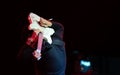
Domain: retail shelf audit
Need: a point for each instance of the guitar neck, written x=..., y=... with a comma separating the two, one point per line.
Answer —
x=40, y=40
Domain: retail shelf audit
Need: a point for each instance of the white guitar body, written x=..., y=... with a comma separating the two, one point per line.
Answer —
x=47, y=32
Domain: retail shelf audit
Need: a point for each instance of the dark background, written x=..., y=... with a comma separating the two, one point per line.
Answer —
x=91, y=30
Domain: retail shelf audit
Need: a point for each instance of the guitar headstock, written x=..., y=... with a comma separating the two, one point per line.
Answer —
x=33, y=17
x=33, y=20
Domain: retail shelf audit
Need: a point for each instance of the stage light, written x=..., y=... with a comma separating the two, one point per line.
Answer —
x=85, y=65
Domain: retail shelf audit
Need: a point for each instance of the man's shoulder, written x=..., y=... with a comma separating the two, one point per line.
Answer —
x=58, y=24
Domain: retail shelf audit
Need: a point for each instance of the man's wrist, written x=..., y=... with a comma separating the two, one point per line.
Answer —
x=45, y=23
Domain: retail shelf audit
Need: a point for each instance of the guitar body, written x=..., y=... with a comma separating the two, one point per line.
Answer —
x=47, y=32
x=43, y=33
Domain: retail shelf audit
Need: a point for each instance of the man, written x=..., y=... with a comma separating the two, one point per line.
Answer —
x=52, y=54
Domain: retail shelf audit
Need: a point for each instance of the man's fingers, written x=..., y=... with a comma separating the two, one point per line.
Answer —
x=36, y=54
x=45, y=23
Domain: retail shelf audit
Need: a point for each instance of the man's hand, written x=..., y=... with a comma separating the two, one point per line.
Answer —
x=37, y=54
x=45, y=23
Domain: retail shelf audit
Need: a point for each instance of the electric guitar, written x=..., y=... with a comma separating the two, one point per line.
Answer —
x=47, y=32
x=44, y=34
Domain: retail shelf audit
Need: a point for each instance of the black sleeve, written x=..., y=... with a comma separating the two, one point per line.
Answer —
x=59, y=29
x=57, y=37
x=57, y=26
